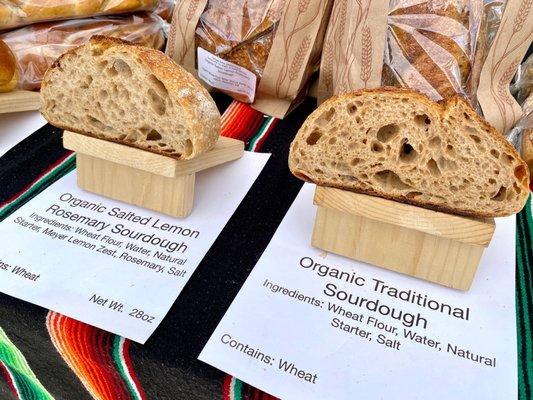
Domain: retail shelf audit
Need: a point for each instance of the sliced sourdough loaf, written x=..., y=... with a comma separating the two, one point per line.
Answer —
x=400, y=145
x=113, y=90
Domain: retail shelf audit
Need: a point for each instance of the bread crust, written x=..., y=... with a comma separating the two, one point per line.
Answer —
x=441, y=108
x=25, y=12
x=204, y=123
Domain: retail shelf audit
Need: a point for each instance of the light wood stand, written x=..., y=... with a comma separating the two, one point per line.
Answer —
x=139, y=177
x=19, y=100
x=430, y=245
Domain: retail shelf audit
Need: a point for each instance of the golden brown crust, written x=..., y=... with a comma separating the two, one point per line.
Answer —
x=8, y=68
x=24, y=12
x=204, y=118
x=442, y=108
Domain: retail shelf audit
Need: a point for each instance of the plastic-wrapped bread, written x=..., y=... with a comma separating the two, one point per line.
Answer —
x=36, y=47
x=15, y=13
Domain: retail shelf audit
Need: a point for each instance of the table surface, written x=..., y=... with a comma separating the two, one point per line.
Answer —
x=44, y=354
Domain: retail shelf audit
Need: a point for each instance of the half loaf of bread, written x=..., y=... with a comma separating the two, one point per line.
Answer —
x=398, y=144
x=117, y=91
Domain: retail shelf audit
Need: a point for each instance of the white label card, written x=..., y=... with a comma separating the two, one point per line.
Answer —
x=312, y=325
x=110, y=264
x=226, y=76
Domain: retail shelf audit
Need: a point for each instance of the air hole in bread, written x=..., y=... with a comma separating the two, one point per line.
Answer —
x=352, y=108
x=332, y=140
x=492, y=181
x=97, y=123
x=121, y=67
x=86, y=82
x=97, y=51
x=376, y=147
x=412, y=195
x=433, y=167
x=407, y=152
x=111, y=71
x=422, y=120
x=102, y=65
x=467, y=117
x=495, y=153
x=156, y=102
x=325, y=117
x=103, y=94
x=355, y=161
x=158, y=86
x=500, y=194
x=188, y=147
x=434, y=142
x=475, y=138
x=449, y=148
x=446, y=164
x=358, y=119
x=153, y=135
x=390, y=180
x=387, y=132
x=517, y=188
x=520, y=172
x=314, y=137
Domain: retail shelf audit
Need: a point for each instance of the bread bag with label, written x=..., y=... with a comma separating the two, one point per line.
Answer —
x=36, y=47
x=14, y=13
x=258, y=51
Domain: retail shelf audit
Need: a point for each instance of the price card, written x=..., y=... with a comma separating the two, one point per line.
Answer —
x=110, y=264
x=312, y=325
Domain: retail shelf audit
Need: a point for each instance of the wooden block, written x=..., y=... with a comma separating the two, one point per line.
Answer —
x=172, y=196
x=226, y=149
x=19, y=100
x=145, y=179
x=430, y=245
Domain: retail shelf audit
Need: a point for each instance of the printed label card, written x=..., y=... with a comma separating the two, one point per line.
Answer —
x=313, y=325
x=110, y=264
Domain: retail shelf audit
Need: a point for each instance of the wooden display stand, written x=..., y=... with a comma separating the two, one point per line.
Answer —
x=19, y=100
x=430, y=245
x=143, y=178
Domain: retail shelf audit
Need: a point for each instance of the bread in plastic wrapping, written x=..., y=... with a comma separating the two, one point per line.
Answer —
x=429, y=48
x=36, y=47
x=240, y=31
x=8, y=69
x=165, y=8
x=15, y=13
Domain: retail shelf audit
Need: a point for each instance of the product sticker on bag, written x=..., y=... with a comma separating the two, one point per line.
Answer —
x=226, y=76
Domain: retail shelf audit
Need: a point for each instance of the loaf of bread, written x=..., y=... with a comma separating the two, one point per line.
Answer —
x=240, y=31
x=117, y=91
x=8, y=69
x=14, y=13
x=429, y=47
x=399, y=144
x=36, y=47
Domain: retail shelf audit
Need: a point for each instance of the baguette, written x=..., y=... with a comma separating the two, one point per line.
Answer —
x=117, y=91
x=399, y=144
x=14, y=13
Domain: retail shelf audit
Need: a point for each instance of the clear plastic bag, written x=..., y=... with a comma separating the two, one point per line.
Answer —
x=15, y=13
x=165, y=8
x=37, y=46
x=240, y=31
x=429, y=46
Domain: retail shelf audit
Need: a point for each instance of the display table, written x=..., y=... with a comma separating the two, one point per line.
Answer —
x=46, y=355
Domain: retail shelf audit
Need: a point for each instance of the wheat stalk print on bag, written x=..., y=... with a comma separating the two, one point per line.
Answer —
x=180, y=44
x=510, y=45
x=430, y=46
x=353, y=47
